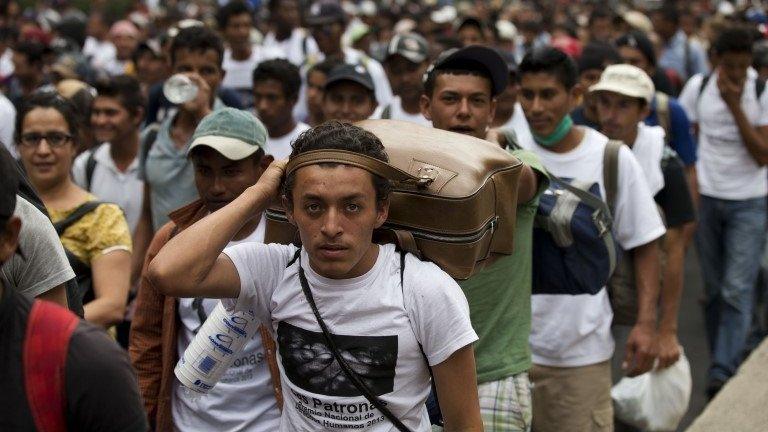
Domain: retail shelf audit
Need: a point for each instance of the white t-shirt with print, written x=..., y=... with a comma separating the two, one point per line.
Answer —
x=243, y=400
x=280, y=147
x=376, y=324
x=575, y=330
x=725, y=169
x=648, y=150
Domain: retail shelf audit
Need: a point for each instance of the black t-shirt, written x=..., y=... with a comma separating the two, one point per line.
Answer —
x=101, y=389
x=675, y=198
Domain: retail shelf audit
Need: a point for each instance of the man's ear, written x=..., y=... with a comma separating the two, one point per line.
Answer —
x=382, y=212
x=425, y=106
x=288, y=209
x=576, y=94
x=493, y=105
x=138, y=117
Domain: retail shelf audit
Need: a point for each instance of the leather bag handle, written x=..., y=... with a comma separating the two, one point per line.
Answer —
x=367, y=163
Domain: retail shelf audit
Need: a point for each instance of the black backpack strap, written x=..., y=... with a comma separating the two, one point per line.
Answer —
x=703, y=84
x=354, y=378
x=147, y=143
x=75, y=216
x=90, y=167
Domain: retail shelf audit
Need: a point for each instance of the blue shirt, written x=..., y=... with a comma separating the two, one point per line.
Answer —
x=673, y=57
x=679, y=134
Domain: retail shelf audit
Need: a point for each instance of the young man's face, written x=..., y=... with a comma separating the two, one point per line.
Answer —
x=600, y=29
x=335, y=210
x=348, y=101
x=220, y=180
x=405, y=76
x=237, y=32
x=546, y=101
x=272, y=106
x=315, y=84
x=460, y=103
x=619, y=114
x=125, y=45
x=470, y=35
x=151, y=69
x=112, y=122
x=328, y=37
x=635, y=57
x=505, y=103
x=734, y=65
x=204, y=63
x=287, y=14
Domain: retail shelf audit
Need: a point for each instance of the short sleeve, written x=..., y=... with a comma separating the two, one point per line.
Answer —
x=438, y=309
x=689, y=96
x=675, y=198
x=532, y=160
x=101, y=388
x=40, y=263
x=637, y=220
x=102, y=231
x=260, y=268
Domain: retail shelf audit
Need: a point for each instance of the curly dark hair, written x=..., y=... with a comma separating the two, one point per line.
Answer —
x=340, y=136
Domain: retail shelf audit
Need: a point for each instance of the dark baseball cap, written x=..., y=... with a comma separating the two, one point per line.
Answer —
x=348, y=72
x=9, y=185
x=412, y=46
x=325, y=12
x=476, y=57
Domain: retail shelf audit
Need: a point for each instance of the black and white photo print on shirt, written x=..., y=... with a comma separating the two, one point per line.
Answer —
x=309, y=363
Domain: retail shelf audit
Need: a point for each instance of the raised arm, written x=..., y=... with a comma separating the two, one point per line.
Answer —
x=191, y=263
x=754, y=138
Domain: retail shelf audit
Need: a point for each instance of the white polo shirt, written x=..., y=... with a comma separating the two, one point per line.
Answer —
x=112, y=185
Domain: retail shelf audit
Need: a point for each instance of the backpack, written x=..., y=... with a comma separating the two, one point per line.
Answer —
x=90, y=166
x=82, y=270
x=147, y=143
x=44, y=357
x=574, y=251
x=453, y=200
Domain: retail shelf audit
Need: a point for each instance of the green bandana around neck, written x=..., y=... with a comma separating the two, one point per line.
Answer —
x=557, y=135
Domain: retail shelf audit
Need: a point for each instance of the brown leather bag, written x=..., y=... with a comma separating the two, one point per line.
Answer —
x=454, y=197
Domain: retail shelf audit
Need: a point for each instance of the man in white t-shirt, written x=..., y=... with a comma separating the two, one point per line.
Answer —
x=571, y=338
x=111, y=169
x=235, y=20
x=377, y=320
x=407, y=60
x=287, y=36
x=228, y=156
x=276, y=85
x=623, y=97
x=732, y=117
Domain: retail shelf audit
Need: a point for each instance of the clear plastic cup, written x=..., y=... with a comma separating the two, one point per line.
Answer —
x=213, y=350
x=179, y=89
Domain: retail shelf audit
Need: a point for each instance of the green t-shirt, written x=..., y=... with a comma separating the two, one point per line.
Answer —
x=500, y=296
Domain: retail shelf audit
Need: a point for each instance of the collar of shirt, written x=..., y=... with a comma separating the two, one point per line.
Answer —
x=104, y=158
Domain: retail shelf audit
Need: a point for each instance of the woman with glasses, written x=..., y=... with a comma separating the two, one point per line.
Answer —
x=95, y=235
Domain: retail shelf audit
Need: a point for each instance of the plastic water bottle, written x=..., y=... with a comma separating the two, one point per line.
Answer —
x=213, y=350
x=179, y=89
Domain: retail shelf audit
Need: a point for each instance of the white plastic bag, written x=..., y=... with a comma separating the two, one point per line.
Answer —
x=654, y=401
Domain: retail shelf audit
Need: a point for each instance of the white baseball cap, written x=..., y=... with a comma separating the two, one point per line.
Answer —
x=626, y=80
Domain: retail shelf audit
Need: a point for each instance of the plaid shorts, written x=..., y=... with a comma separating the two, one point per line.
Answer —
x=505, y=405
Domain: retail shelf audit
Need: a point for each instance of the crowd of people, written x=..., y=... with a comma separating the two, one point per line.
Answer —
x=140, y=215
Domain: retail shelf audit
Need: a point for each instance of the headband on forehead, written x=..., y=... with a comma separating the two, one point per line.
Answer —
x=367, y=163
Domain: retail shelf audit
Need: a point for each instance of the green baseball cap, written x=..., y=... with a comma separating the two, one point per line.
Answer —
x=234, y=133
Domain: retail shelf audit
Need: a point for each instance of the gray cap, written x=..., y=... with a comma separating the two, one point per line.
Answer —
x=348, y=72
x=234, y=133
x=412, y=46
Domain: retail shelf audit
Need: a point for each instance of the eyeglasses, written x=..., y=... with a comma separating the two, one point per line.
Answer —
x=54, y=139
